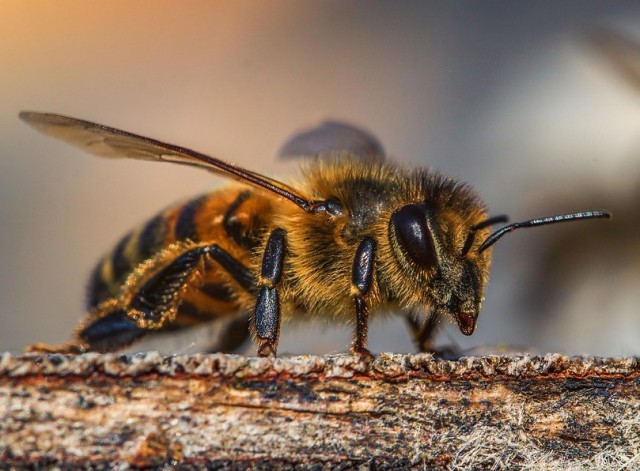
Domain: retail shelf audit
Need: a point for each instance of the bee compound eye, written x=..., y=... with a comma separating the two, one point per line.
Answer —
x=413, y=235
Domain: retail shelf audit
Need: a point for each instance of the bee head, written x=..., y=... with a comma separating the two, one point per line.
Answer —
x=442, y=260
x=434, y=248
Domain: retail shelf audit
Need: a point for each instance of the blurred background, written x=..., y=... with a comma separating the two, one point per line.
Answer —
x=526, y=101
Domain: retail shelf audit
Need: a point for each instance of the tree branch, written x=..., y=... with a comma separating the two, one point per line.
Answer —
x=335, y=411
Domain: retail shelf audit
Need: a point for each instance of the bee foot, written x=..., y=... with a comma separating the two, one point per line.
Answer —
x=267, y=350
x=365, y=355
x=65, y=348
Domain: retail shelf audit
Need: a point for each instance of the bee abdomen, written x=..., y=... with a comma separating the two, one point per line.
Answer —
x=152, y=237
x=186, y=227
x=98, y=289
x=110, y=273
x=135, y=247
x=220, y=217
x=232, y=226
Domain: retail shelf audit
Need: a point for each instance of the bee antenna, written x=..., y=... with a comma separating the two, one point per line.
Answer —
x=481, y=225
x=493, y=238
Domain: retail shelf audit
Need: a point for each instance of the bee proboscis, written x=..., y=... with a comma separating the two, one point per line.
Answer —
x=357, y=235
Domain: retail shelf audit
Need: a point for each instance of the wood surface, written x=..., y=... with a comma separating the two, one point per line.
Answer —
x=400, y=411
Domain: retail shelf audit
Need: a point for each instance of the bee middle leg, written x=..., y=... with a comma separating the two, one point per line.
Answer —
x=361, y=280
x=267, y=312
x=422, y=332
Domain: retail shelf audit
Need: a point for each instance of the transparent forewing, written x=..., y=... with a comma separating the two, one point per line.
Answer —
x=105, y=141
x=333, y=137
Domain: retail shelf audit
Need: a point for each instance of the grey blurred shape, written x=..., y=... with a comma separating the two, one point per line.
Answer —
x=332, y=137
x=620, y=50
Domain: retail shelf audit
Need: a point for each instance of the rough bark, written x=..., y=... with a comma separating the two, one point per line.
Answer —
x=329, y=412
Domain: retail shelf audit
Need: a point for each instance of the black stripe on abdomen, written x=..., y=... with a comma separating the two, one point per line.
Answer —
x=232, y=225
x=98, y=289
x=121, y=266
x=101, y=288
x=152, y=237
x=186, y=223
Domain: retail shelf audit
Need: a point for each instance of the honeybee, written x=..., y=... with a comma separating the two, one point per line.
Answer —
x=357, y=235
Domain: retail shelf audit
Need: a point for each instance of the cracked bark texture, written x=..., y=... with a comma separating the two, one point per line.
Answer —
x=401, y=411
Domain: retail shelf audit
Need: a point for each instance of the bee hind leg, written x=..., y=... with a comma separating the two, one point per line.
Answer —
x=151, y=303
x=67, y=348
x=104, y=329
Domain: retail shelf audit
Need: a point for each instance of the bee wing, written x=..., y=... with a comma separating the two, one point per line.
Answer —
x=105, y=141
x=331, y=137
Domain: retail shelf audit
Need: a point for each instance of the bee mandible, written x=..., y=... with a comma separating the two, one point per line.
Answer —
x=357, y=235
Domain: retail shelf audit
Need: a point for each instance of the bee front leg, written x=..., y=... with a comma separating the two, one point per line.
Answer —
x=267, y=312
x=361, y=280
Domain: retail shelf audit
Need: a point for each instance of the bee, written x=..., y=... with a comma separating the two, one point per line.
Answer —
x=357, y=235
